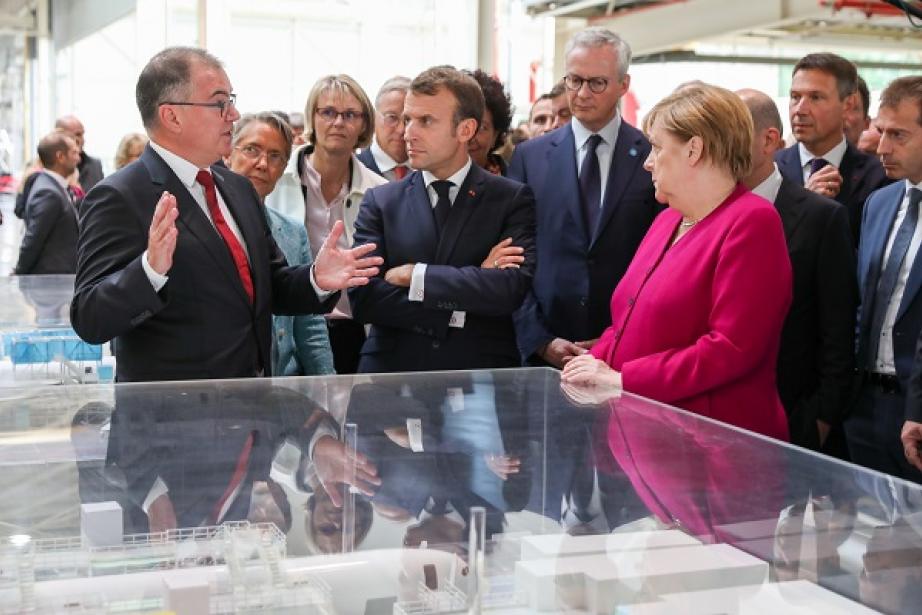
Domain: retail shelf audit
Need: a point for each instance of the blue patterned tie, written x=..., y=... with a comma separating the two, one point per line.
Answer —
x=891, y=272
x=590, y=184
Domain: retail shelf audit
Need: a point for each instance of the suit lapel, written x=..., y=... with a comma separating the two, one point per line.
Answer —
x=562, y=183
x=852, y=171
x=419, y=214
x=469, y=195
x=624, y=162
x=878, y=242
x=788, y=205
x=191, y=215
x=790, y=164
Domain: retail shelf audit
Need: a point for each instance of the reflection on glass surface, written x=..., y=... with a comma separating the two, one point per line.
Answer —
x=35, y=301
x=592, y=505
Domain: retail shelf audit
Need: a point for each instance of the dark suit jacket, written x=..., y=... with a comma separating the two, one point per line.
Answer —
x=201, y=324
x=876, y=226
x=816, y=359
x=50, y=242
x=414, y=336
x=577, y=274
x=90, y=170
x=368, y=159
x=861, y=173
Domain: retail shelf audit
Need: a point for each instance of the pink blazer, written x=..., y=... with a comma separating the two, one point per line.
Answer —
x=698, y=325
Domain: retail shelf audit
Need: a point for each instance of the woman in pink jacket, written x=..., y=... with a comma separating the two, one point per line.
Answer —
x=696, y=320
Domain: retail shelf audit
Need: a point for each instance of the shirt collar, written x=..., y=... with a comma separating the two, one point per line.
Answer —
x=457, y=179
x=58, y=178
x=609, y=131
x=769, y=187
x=833, y=156
x=382, y=158
x=184, y=170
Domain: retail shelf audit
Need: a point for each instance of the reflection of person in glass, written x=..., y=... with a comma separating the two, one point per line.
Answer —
x=199, y=454
x=697, y=318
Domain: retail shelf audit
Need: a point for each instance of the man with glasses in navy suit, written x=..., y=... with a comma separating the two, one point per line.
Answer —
x=594, y=203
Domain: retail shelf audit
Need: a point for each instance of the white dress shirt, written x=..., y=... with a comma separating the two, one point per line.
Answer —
x=418, y=279
x=62, y=181
x=833, y=156
x=770, y=186
x=603, y=151
x=885, y=363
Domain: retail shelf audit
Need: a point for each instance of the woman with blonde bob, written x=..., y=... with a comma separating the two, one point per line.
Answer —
x=327, y=182
x=696, y=320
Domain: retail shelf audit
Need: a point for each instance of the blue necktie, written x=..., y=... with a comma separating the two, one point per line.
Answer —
x=590, y=184
x=442, y=205
x=816, y=164
x=891, y=272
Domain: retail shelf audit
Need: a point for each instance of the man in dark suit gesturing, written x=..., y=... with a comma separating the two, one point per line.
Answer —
x=816, y=358
x=175, y=258
x=450, y=288
x=824, y=87
x=594, y=203
x=50, y=242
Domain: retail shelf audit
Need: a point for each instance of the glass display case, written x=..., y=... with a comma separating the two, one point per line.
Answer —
x=488, y=491
x=37, y=344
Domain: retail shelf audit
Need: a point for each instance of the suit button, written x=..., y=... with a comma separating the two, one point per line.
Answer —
x=590, y=261
x=435, y=345
x=583, y=301
x=630, y=301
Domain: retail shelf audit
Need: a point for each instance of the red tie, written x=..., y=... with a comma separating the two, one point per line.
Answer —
x=240, y=472
x=400, y=171
x=240, y=258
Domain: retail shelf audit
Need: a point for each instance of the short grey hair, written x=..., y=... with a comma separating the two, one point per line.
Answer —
x=274, y=120
x=394, y=84
x=597, y=37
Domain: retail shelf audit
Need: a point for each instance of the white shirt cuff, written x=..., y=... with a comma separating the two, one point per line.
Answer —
x=156, y=280
x=418, y=282
x=457, y=320
x=155, y=492
x=322, y=432
x=415, y=435
x=321, y=294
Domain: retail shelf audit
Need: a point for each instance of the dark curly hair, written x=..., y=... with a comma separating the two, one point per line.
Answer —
x=498, y=103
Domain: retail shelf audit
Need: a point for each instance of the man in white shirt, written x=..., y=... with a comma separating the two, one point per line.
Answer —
x=816, y=359
x=387, y=154
x=823, y=92
x=49, y=244
x=890, y=278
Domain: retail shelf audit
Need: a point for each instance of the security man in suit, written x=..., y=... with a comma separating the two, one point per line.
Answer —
x=175, y=258
x=447, y=297
x=594, y=203
x=50, y=242
x=89, y=168
x=890, y=280
x=824, y=88
x=816, y=358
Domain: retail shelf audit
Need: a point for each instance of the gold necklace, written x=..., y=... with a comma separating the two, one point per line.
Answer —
x=687, y=223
